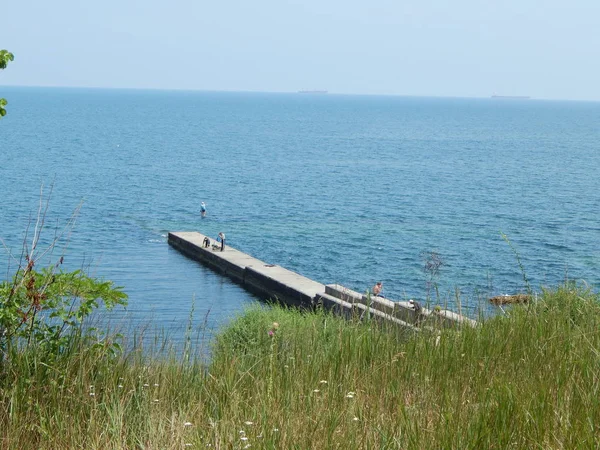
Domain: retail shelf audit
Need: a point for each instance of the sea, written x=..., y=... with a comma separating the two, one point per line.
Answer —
x=445, y=200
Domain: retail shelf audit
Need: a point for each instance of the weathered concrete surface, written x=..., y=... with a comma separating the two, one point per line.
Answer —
x=336, y=305
x=275, y=282
x=450, y=318
x=402, y=310
x=268, y=280
x=283, y=284
x=230, y=262
x=360, y=311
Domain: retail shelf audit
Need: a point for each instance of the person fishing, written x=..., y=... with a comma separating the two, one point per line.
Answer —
x=418, y=309
x=221, y=239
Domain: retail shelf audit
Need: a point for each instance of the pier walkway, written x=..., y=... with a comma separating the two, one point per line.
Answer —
x=273, y=282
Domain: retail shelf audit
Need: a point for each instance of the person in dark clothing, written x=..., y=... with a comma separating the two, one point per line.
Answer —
x=416, y=306
x=221, y=239
x=419, y=314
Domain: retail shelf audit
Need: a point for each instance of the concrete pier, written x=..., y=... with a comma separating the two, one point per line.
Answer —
x=277, y=283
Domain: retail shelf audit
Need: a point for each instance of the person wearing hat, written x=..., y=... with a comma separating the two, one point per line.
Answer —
x=418, y=309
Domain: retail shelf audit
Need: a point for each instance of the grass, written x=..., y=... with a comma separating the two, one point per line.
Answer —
x=529, y=379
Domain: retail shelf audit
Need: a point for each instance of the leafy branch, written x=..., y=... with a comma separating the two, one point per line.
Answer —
x=5, y=58
x=46, y=307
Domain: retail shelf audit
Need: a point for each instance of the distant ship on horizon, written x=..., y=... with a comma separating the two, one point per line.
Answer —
x=312, y=91
x=514, y=97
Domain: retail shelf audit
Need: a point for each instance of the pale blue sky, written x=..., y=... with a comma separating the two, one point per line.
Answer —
x=543, y=48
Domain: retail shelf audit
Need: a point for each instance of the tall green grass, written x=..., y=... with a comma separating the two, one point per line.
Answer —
x=526, y=380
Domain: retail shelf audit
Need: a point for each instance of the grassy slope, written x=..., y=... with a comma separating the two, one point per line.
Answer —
x=527, y=381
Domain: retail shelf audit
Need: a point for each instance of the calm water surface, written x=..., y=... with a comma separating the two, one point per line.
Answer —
x=342, y=189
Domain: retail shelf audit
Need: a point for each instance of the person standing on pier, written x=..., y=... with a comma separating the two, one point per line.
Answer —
x=419, y=313
x=221, y=238
x=377, y=289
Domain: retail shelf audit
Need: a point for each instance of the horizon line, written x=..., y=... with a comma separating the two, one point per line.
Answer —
x=329, y=93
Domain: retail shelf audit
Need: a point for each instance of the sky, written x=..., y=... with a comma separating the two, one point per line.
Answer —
x=459, y=48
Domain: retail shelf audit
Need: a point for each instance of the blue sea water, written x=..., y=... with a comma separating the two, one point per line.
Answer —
x=342, y=189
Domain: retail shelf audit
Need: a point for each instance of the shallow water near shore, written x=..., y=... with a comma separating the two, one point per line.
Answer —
x=342, y=189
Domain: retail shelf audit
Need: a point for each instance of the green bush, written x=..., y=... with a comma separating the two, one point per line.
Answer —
x=46, y=307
